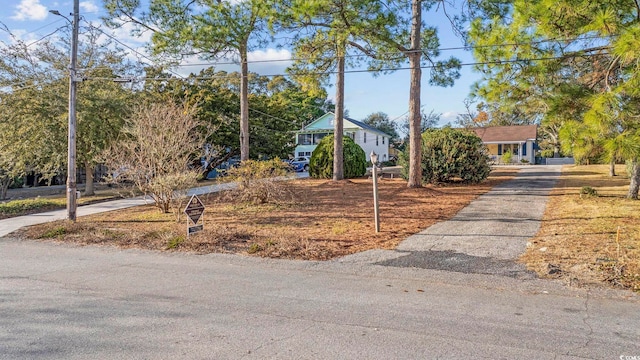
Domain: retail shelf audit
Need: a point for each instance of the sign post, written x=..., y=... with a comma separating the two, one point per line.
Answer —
x=374, y=172
x=194, y=211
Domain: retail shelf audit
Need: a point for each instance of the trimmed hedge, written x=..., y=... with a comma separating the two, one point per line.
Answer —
x=321, y=162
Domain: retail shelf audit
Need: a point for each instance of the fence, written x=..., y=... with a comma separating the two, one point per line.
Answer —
x=558, y=161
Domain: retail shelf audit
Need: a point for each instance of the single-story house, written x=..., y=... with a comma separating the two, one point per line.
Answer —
x=520, y=140
x=369, y=138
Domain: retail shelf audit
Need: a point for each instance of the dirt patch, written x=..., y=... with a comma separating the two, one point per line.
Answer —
x=319, y=220
x=589, y=240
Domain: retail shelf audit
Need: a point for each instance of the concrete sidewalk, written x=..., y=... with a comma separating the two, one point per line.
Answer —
x=10, y=225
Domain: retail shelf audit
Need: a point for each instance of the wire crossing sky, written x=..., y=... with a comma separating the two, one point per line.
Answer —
x=29, y=21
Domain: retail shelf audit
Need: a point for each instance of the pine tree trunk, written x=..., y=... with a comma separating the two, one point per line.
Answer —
x=338, y=133
x=612, y=168
x=415, y=140
x=244, y=105
x=634, y=186
x=88, y=187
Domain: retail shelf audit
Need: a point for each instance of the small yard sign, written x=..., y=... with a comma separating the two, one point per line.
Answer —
x=194, y=211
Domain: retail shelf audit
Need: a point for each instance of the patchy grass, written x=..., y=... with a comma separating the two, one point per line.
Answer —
x=13, y=208
x=43, y=199
x=319, y=220
x=590, y=233
x=28, y=206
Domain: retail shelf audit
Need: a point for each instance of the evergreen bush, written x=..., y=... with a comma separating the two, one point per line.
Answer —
x=321, y=162
x=449, y=154
x=507, y=157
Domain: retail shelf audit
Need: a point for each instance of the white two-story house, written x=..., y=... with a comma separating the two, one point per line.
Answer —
x=369, y=138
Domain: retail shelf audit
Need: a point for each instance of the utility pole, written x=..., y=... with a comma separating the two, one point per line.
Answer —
x=72, y=188
x=71, y=160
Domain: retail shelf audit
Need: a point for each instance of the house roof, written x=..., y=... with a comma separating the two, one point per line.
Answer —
x=358, y=124
x=366, y=127
x=499, y=134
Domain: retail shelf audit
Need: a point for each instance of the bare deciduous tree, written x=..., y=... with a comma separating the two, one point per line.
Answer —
x=160, y=144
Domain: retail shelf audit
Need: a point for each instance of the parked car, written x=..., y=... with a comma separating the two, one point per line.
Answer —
x=301, y=163
x=221, y=169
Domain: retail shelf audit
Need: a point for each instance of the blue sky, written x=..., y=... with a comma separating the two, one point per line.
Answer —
x=30, y=20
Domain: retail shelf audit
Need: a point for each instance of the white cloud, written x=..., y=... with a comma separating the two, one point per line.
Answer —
x=269, y=55
x=275, y=61
x=30, y=10
x=264, y=62
x=123, y=33
x=449, y=115
x=24, y=36
x=89, y=6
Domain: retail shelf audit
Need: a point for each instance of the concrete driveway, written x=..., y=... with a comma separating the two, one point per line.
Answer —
x=66, y=302
x=486, y=237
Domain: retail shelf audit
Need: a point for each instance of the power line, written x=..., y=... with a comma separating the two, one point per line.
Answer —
x=495, y=62
x=5, y=28
x=467, y=47
x=274, y=117
x=46, y=36
x=229, y=76
x=128, y=47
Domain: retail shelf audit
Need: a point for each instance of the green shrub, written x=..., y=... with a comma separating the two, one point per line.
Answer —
x=403, y=162
x=175, y=242
x=506, y=158
x=588, y=191
x=321, y=162
x=547, y=153
x=448, y=154
x=16, y=183
x=16, y=207
x=259, y=182
x=53, y=233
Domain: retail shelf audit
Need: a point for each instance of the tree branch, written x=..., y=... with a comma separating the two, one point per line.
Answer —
x=363, y=49
x=609, y=70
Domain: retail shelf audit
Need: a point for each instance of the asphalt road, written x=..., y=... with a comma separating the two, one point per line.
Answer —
x=66, y=302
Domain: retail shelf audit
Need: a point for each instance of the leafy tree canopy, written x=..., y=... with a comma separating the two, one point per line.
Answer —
x=561, y=62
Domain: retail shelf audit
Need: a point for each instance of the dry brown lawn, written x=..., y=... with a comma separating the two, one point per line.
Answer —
x=589, y=239
x=319, y=220
x=583, y=240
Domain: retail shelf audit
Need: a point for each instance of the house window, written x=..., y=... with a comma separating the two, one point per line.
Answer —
x=300, y=153
x=524, y=149
x=377, y=140
x=305, y=139
x=365, y=138
x=318, y=137
x=351, y=134
x=383, y=140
